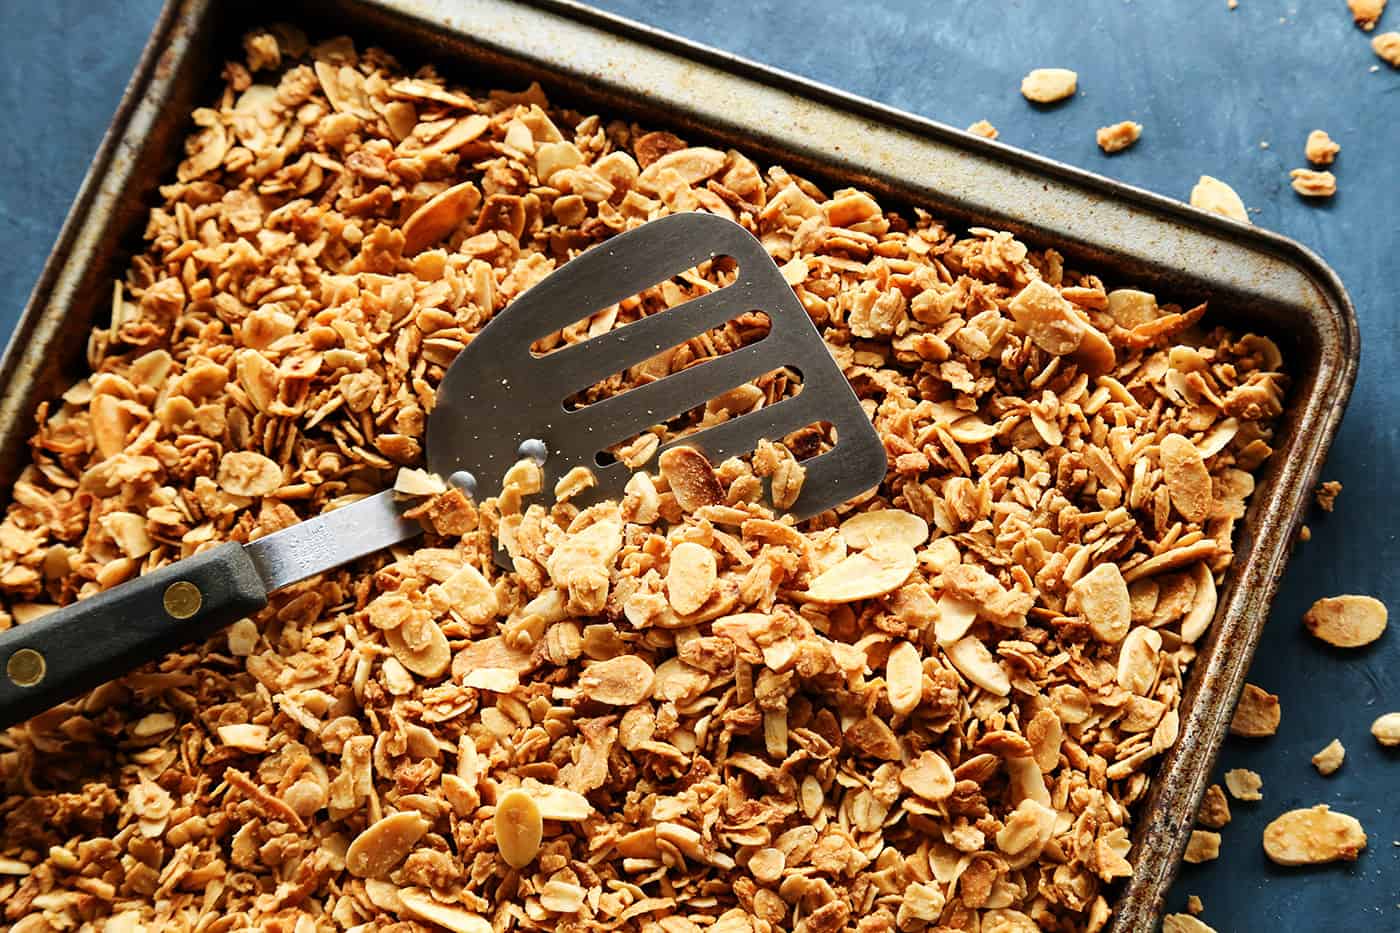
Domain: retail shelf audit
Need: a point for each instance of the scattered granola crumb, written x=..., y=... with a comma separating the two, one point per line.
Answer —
x=1320, y=148
x=1304, y=534
x=1212, y=194
x=1347, y=621
x=1257, y=715
x=1330, y=758
x=1048, y=85
x=1194, y=907
x=1386, y=729
x=1244, y=784
x=1185, y=923
x=1327, y=493
x=1366, y=12
x=1203, y=846
x=1387, y=46
x=1263, y=144
x=984, y=129
x=1215, y=809
x=1232, y=4
x=1313, y=184
x=1313, y=836
x=1119, y=136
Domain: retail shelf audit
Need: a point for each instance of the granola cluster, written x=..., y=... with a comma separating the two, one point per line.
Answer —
x=934, y=708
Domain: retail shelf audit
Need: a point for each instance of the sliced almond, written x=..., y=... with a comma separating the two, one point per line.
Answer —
x=904, y=678
x=1347, y=621
x=691, y=577
x=1138, y=660
x=245, y=473
x=558, y=803
x=421, y=905
x=866, y=574
x=1313, y=836
x=439, y=216
x=376, y=851
x=1184, y=923
x=622, y=681
x=421, y=646
x=1386, y=729
x=1202, y=612
x=494, y=679
x=977, y=664
x=1330, y=758
x=929, y=776
x=884, y=526
x=1188, y=480
x=955, y=617
x=1047, y=85
x=469, y=594
x=519, y=828
x=1101, y=597
x=1212, y=194
x=691, y=477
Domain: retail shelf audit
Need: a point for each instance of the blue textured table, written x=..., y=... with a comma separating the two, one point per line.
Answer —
x=1211, y=87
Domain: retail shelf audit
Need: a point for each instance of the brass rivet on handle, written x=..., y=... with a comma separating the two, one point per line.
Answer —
x=182, y=599
x=26, y=667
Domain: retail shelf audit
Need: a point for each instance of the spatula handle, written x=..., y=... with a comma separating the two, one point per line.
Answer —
x=70, y=651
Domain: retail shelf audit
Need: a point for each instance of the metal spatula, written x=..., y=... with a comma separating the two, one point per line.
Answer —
x=496, y=400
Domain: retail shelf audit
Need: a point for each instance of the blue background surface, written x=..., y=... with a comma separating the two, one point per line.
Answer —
x=1210, y=86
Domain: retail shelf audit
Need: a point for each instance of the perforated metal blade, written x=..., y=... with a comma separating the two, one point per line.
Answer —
x=499, y=394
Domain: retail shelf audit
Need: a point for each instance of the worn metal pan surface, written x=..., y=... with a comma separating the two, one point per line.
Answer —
x=1252, y=278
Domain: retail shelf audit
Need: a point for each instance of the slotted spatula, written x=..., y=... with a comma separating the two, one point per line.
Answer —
x=497, y=402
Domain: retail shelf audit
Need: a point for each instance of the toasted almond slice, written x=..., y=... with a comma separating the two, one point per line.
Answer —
x=1184, y=923
x=884, y=526
x=622, y=681
x=1138, y=660
x=1101, y=597
x=955, y=617
x=519, y=828
x=904, y=678
x=977, y=664
x=375, y=852
x=591, y=549
x=1330, y=758
x=439, y=217
x=1188, y=480
x=691, y=477
x=246, y=473
x=1202, y=612
x=691, y=577
x=1386, y=729
x=494, y=679
x=245, y=737
x=1212, y=194
x=1313, y=836
x=1244, y=784
x=468, y=593
x=1045, y=733
x=866, y=574
x=411, y=482
x=558, y=803
x=1258, y=714
x=1366, y=13
x=421, y=646
x=421, y=905
x=1347, y=621
x=929, y=776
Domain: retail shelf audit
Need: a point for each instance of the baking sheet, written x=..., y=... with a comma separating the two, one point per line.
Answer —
x=1251, y=277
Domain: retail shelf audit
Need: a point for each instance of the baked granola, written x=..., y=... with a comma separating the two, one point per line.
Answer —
x=934, y=708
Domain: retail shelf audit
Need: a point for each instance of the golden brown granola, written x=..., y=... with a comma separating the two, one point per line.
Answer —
x=984, y=129
x=1366, y=12
x=1312, y=836
x=1326, y=494
x=1119, y=136
x=1257, y=715
x=1203, y=846
x=1313, y=184
x=1320, y=148
x=936, y=707
x=1048, y=85
x=1330, y=758
x=1387, y=48
x=1386, y=729
x=1244, y=784
x=1212, y=194
x=1215, y=809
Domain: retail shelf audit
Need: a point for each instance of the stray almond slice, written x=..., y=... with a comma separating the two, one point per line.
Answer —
x=1244, y=784
x=884, y=526
x=439, y=216
x=411, y=482
x=244, y=737
x=984, y=129
x=375, y=852
x=518, y=827
x=1101, y=597
x=1347, y=621
x=1202, y=611
x=864, y=575
x=1314, y=836
x=691, y=577
x=622, y=681
x=574, y=482
x=977, y=664
x=421, y=646
x=421, y=905
x=1386, y=729
x=955, y=617
x=494, y=679
x=1330, y=758
x=1212, y=194
x=1047, y=85
x=1258, y=714
x=1387, y=47
x=930, y=777
x=1184, y=923
x=1203, y=846
x=1188, y=480
x=246, y=473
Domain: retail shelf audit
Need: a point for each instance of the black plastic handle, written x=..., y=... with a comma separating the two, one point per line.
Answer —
x=70, y=651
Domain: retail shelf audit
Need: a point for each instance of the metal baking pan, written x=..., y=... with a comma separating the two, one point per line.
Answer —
x=1252, y=278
